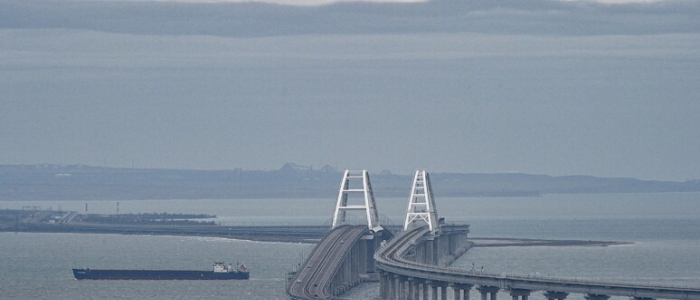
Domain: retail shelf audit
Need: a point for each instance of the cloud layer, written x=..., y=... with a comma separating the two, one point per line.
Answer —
x=554, y=87
x=439, y=16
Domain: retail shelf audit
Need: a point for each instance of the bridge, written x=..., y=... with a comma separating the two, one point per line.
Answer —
x=414, y=264
x=344, y=257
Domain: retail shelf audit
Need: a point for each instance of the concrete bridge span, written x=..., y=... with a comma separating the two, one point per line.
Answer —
x=414, y=265
x=340, y=261
x=404, y=277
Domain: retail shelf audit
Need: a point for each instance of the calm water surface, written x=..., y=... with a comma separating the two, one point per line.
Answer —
x=664, y=230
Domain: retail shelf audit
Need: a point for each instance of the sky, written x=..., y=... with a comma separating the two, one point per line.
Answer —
x=578, y=87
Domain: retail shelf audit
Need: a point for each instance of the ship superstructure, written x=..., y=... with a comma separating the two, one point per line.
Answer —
x=220, y=271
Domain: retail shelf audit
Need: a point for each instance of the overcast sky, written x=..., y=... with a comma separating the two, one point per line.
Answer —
x=608, y=88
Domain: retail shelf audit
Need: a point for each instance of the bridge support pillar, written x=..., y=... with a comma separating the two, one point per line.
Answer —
x=411, y=288
x=426, y=290
x=596, y=297
x=552, y=295
x=461, y=291
x=391, y=287
x=486, y=290
x=430, y=251
x=442, y=287
x=434, y=286
x=383, y=285
x=519, y=294
x=400, y=287
x=416, y=290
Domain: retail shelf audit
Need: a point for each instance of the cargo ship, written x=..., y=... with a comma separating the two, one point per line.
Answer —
x=220, y=271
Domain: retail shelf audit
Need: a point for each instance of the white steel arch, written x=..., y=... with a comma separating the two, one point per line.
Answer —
x=421, y=205
x=369, y=205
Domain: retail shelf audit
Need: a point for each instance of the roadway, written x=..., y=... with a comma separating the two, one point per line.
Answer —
x=313, y=279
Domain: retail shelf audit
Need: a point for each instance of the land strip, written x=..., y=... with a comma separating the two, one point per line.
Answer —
x=513, y=242
x=188, y=225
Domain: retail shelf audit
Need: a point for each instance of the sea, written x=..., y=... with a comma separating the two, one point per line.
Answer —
x=660, y=234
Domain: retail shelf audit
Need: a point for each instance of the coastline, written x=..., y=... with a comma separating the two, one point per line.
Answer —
x=519, y=242
x=182, y=225
x=285, y=234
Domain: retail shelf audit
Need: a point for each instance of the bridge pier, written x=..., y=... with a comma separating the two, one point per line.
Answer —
x=413, y=289
x=443, y=290
x=383, y=285
x=452, y=243
x=596, y=297
x=486, y=290
x=461, y=291
x=552, y=295
x=425, y=287
x=391, y=287
x=440, y=250
x=434, y=290
x=403, y=288
x=519, y=294
x=400, y=290
x=429, y=249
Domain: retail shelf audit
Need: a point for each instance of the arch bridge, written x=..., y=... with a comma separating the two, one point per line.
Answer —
x=414, y=265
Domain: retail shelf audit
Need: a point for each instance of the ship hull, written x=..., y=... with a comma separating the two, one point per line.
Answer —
x=82, y=274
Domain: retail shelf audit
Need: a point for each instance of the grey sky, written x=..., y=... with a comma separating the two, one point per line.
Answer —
x=549, y=87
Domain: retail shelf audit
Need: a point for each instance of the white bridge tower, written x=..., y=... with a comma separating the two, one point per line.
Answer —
x=421, y=205
x=364, y=188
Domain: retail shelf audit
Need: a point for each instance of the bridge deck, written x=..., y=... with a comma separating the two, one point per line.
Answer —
x=313, y=279
x=390, y=259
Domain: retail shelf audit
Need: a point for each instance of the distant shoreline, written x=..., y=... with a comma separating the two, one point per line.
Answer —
x=48, y=221
x=291, y=234
x=518, y=242
x=80, y=182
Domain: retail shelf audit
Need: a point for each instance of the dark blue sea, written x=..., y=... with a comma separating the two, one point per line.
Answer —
x=663, y=231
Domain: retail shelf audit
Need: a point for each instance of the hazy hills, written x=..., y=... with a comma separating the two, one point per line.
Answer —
x=80, y=182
